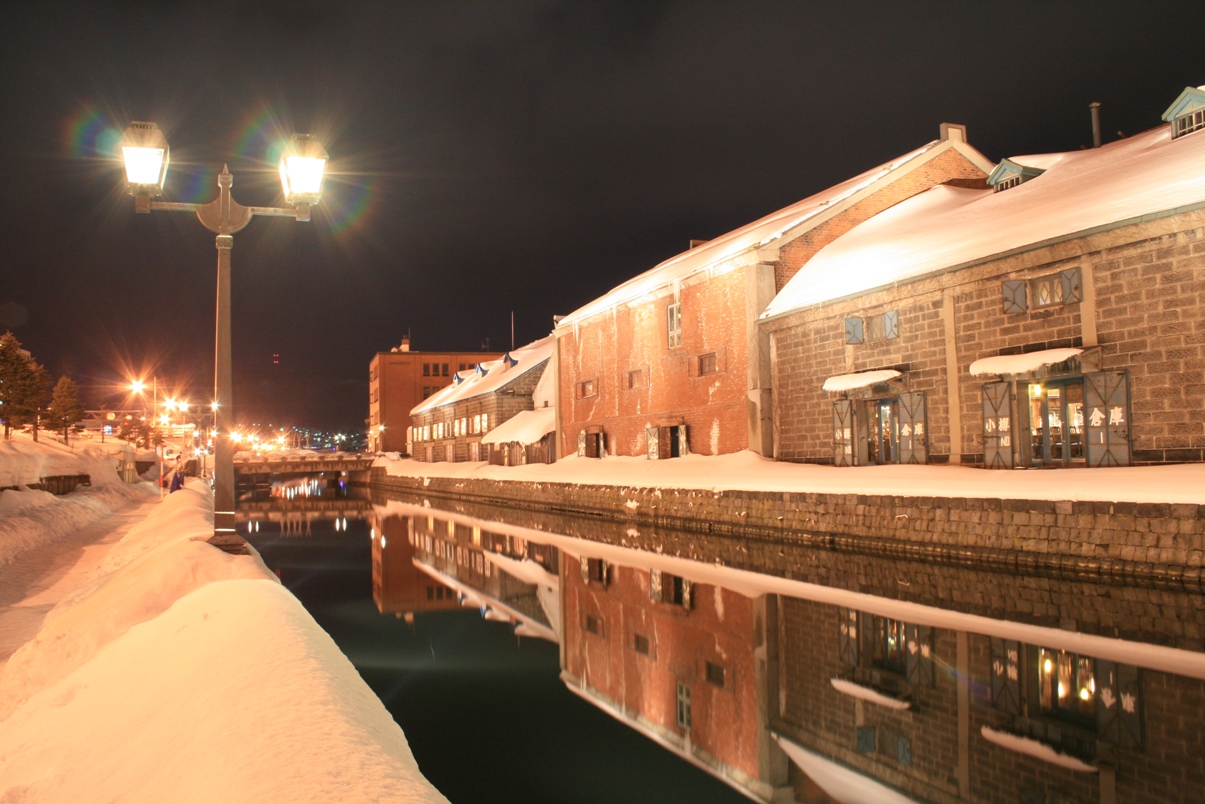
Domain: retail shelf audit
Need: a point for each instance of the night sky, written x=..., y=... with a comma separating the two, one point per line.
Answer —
x=485, y=157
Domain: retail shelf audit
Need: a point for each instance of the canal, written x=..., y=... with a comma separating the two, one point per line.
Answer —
x=534, y=656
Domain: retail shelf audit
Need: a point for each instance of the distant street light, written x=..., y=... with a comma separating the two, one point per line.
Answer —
x=302, y=165
x=138, y=386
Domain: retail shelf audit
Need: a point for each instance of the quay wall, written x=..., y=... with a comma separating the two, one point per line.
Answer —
x=1156, y=545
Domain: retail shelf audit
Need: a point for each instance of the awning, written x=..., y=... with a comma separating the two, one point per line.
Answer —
x=1022, y=364
x=842, y=783
x=848, y=382
x=526, y=427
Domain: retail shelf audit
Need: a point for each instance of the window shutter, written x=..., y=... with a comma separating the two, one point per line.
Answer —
x=843, y=432
x=655, y=585
x=687, y=591
x=1118, y=704
x=913, y=440
x=853, y=331
x=1106, y=418
x=682, y=441
x=848, y=640
x=1006, y=675
x=891, y=324
x=997, y=425
x=1073, y=290
x=585, y=565
x=1015, y=296
x=920, y=655
x=581, y=444
x=652, y=436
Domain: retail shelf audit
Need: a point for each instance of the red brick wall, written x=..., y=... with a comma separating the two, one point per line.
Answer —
x=724, y=721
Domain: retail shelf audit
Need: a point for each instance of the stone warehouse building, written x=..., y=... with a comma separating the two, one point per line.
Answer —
x=449, y=426
x=400, y=379
x=672, y=361
x=1056, y=319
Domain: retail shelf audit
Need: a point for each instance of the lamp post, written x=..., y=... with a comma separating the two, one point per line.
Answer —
x=146, y=156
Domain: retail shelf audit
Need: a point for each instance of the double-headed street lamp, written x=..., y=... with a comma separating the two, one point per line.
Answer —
x=302, y=164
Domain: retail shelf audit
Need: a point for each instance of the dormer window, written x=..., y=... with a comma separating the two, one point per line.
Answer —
x=1009, y=173
x=1011, y=181
x=1187, y=112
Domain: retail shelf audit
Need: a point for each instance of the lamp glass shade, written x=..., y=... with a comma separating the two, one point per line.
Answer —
x=302, y=165
x=145, y=153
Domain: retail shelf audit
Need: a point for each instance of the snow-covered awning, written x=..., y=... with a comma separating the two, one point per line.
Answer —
x=1022, y=364
x=842, y=783
x=526, y=427
x=1033, y=748
x=850, y=382
x=867, y=694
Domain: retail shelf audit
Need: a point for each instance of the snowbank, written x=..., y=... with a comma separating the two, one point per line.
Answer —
x=182, y=673
x=24, y=461
x=750, y=472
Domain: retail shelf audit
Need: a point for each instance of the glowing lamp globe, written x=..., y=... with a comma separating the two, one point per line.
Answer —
x=146, y=155
x=302, y=164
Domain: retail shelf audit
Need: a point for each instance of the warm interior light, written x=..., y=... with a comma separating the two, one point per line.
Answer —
x=143, y=165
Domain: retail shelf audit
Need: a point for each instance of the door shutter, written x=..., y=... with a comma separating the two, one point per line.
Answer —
x=997, y=426
x=913, y=438
x=1015, y=296
x=1006, y=675
x=652, y=436
x=843, y=432
x=848, y=640
x=687, y=590
x=585, y=566
x=655, y=585
x=1118, y=704
x=1073, y=290
x=1107, y=418
x=682, y=441
x=581, y=444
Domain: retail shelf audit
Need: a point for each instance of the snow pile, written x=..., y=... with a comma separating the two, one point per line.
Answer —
x=30, y=519
x=843, y=784
x=24, y=461
x=1033, y=748
x=748, y=471
x=525, y=427
x=182, y=673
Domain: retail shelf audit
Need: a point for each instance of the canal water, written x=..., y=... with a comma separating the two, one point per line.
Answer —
x=533, y=656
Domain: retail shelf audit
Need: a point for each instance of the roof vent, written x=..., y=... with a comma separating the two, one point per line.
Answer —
x=1094, y=107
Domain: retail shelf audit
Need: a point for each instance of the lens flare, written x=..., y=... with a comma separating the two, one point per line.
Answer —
x=91, y=134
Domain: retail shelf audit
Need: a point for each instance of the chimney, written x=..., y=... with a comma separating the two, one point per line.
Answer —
x=953, y=131
x=1095, y=107
x=405, y=347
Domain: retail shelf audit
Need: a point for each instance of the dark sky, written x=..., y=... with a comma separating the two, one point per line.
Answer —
x=485, y=157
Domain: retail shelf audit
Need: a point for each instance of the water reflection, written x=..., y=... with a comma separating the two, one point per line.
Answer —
x=886, y=681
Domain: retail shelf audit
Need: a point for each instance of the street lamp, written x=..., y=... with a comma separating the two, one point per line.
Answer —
x=302, y=165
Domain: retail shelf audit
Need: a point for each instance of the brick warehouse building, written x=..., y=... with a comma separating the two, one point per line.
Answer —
x=672, y=360
x=399, y=379
x=449, y=425
x=1056, y=320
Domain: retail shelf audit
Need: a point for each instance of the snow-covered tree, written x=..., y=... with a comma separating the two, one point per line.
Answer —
x=24, y=385
x=65, y=408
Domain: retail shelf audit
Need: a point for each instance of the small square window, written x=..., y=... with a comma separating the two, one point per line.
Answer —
x=715, y=675
x=587, y=389
x=641, y=644
x=708, y=364
x=634, y=379
x=593, y=625
x=1047, y=291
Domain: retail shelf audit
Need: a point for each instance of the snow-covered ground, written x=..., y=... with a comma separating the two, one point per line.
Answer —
x=746, y=471
x=171, y=671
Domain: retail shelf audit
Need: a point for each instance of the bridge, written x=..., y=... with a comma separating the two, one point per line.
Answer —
x=297, y=515
x=250, y=465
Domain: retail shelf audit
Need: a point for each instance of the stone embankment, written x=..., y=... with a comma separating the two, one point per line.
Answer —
x=1155, y=545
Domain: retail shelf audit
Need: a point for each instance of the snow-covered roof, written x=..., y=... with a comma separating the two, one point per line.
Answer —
x=490, y=376
x=739, y=247
x=1188, y=100
x=861, y=379
x=947, y=227
x=1022, y=364
x=526, y=427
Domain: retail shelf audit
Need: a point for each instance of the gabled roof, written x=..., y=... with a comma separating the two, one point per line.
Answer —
x=1189, y=100
x=1149, y=174
x=1015, y=167
x=490, y=376
x=740, y=246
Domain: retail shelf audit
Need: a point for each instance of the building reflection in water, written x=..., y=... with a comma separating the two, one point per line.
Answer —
x=791, y=690
x=296, y=503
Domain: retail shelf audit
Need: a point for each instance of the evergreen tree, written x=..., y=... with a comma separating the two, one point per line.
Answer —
x=23, y=385
x=65, y=408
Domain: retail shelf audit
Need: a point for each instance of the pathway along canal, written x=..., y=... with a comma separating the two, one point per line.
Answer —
x=538, y=657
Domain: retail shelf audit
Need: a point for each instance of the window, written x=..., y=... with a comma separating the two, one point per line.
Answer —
x=673, y=320
x=634, y=379
x=445, y=369
x=707, y=364
x=1052, y=290
x=594, y=570
x=485, y=422
x=885, y=653
x=673, y=589
x=715, y=675
x=426, y=369
x=885, y=326
x=1067, y=685
x=594, y=625
x=1189, y=123
x=1011, y=181
x=889, y=644
x=641, y=644
x=683, y=706
x=1056, y=422
x=587, y=389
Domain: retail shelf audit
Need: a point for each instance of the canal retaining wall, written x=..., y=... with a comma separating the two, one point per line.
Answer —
x=1148, y=544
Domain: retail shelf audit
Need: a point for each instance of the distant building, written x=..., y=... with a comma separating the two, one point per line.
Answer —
x=672, y=361
x=398, y=586
x=400, y=379
x=450, y=425
x=1052, y=320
